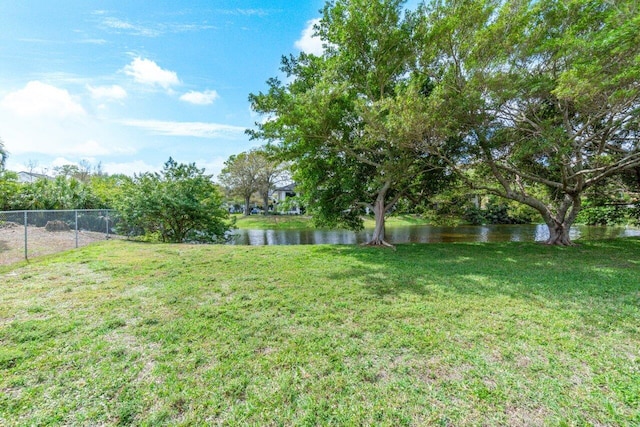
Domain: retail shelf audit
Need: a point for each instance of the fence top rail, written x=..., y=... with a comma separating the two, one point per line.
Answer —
x=55, y=210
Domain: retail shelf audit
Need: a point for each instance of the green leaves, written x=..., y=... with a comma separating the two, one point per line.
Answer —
x=179, y=204
x=346, y=119
x=543, y=94
x=58, y=193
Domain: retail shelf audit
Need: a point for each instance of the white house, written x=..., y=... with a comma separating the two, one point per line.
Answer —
x=281, y=194
x=25, y=177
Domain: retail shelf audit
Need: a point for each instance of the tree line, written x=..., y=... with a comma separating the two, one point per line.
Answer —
x=180, y=203
x=536, y=102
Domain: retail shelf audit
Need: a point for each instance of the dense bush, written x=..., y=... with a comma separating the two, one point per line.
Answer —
x=9, y=188
x=604, y=215
x=498, y=211
x=179, y=204
x=58, y=193
x=634, y=214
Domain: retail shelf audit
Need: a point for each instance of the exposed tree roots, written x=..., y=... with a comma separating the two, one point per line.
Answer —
x=559, y=243
x=559, y=238
x=380, y=243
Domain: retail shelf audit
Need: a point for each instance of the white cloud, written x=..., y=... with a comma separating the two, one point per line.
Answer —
x=308, y=42
x=200, y=98
x=251, y=12
x=196, y=129
x=213, y=166
x=148, y=72
x=128, y=168
x=94, y=148
x=41, y=119
x=39, y=99
x=118, y=24
x=90, y=148
x=93, y=41
x=154, y=29
x=61, y=161
x=136, y=30
x=114, y=92
x=244, y=12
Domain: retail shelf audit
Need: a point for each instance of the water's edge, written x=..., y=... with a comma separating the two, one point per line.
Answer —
x=425, y=234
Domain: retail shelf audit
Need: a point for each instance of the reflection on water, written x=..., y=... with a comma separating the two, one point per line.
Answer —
x=425, y=234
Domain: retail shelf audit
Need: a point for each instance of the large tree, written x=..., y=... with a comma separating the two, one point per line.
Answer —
x=338, y=119
x=544, y=95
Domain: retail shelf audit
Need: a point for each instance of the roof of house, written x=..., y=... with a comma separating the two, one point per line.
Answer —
x=31, y=176
x=287, y=188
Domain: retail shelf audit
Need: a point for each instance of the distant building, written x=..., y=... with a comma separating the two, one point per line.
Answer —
x=28, y=177
x=280, y=196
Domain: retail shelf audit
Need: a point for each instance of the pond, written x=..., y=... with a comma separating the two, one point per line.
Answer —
x=426, y=234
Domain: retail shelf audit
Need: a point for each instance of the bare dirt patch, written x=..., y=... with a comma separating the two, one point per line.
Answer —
x=40, y=241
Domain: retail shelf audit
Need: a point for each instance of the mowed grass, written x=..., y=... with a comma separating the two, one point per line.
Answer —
x=273, y=222
x=124, y=333
x=300, y=222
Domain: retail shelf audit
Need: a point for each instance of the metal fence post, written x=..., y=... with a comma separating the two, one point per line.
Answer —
x=76, y=212
x=106, y=220
x=25, y=236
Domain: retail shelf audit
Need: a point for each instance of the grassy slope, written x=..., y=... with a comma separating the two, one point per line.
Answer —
x=291, y=222
x=451, y=334
x=273, y=222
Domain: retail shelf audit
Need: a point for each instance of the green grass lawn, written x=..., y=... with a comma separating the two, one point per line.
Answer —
x=273, y=222
x=296, y=222
x=123, y=333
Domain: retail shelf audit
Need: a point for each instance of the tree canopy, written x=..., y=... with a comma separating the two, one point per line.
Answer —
x=339, y=118
x=178, y=204
x=544, y=96
x=251, y=172
x=532, y=101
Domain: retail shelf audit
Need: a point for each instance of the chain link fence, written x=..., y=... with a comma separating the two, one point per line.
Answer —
x=29, y=234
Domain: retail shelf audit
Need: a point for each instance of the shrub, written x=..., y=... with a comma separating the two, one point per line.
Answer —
x=179, y=204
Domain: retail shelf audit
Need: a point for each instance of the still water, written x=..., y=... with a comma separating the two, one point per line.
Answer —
x=426, y=234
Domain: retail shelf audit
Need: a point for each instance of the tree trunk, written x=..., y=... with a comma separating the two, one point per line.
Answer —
x=559, y=224
x=378, y=231
x=379, y=211
x=247, y=202
x=265, y=203
x=559, y=233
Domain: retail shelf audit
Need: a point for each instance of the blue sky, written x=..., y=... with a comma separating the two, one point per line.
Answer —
x=131, y=83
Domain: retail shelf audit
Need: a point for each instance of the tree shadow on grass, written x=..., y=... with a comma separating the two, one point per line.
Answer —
x=598, y=269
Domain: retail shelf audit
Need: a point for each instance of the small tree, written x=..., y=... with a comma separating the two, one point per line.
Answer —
x=270, y=174
x=179, y=204
x=248, y=173
x=67, y=171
